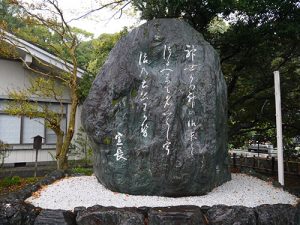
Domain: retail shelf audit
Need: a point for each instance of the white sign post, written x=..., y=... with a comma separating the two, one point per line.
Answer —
x=279, y=128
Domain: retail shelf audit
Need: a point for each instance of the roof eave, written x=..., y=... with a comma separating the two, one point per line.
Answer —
x=41, y=54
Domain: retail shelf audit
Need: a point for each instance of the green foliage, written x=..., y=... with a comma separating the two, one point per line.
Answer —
x=9, y=22
x=85, y=85
x=81, y=147
x=41, y=87
x=4, y=152
x=84, y=53
x=49, y=34
x=259, y=38
x=52, y=33
x=101, y=49
x=107, y=140
x=31, y=180
x=198, y=13
x=81, y=170
x=8, y=16
x=15, y=183
x=254, y=46
x=94, y=54
x=3, y=146
x=116, y=101
x=10, y=181
x=133, y=92
x=217, y=26
x=290, y=149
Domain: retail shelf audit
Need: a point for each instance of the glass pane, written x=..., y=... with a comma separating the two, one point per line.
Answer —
x=10, y=129
x=51, y=138
x=57, y=108
x=50, y=135
x=63, y=124
x=32, y=128
x=2, y=105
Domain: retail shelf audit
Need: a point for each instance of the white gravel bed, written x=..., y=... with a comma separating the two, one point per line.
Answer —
x=87, y=191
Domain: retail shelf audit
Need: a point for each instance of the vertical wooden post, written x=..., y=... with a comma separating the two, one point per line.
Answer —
x=36, y=162
x=37, y=144
x=273, y=164
x=234, y=160
x=279, y=128
x=258, y=163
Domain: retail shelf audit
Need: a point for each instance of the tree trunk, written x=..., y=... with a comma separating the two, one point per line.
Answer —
x=59, y=145
x=63, y=158
x=62, y=162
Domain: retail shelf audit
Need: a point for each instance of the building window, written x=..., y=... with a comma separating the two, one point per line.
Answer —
x=21, y=130
x=31, y=128
x=10, y=127
x=51, y=136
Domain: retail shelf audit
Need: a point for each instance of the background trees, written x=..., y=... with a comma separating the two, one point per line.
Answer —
x=253, y=38
x=258, y=38
x=34, y=23
x=44, y=25
x=95, y=53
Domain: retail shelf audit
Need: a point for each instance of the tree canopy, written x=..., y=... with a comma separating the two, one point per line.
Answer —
x=95, y=53
x=71, y=44
x=55, y=35
x=257, y=38
x=253, y=38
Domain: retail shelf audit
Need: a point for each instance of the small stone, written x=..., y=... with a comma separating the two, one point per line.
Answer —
x=78, y=209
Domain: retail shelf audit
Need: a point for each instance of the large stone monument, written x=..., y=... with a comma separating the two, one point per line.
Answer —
x=156, y=113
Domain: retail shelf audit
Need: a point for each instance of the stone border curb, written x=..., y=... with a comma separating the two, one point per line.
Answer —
x=13, y=210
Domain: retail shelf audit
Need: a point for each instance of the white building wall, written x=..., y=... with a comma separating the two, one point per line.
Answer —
x=78, y=118
x=14, y=76
x=19, y=156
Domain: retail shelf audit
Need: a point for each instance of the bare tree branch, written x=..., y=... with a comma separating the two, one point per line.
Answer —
x=101, y=7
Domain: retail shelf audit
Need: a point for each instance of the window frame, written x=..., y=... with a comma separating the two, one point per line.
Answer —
x=20, y=131
x=45, y=142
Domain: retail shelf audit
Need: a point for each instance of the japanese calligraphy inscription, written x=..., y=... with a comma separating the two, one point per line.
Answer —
x=156, y=113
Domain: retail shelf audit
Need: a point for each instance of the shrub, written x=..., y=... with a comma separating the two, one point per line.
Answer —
x=31, y=180
x=81, y=170
x=9, y=181
x=4, y=152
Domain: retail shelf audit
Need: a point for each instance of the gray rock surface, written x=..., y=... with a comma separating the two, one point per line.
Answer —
x=18, y=213
x=110, y=216
x=277, y=214
x=187, y=215
x=228, y=215
x=157, y=112
x=55, y=217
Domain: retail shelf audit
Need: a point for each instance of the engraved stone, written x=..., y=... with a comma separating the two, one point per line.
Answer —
x=157, y=113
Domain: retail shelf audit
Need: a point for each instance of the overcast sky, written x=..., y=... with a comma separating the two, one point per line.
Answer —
x=98, y=22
